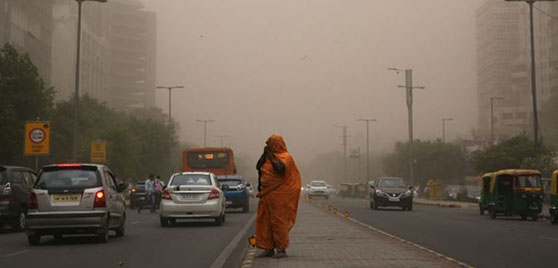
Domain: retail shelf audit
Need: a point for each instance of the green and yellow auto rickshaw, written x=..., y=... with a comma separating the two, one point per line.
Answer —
x=516, y=192
x=485, y=192
x=554, y=198
x=347, y=189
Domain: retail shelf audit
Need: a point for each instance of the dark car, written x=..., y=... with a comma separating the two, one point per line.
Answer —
x=390, y=192
x=236, y=194
x=455, y=193
x=137, y=195
x=15, y=188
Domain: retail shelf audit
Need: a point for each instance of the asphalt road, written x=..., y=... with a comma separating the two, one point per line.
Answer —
x=463, y=234
x=146, y=244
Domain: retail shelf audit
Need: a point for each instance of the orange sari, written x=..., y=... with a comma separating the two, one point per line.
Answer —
x=279, y=197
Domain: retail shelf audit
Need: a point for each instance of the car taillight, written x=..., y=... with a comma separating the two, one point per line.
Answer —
x=100, y=200
x=213, y=194
x=69, y=165
x=166, y=195
x=6, y=193
x=33, y=202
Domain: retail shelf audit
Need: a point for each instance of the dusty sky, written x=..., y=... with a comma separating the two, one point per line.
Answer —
x=301, y=67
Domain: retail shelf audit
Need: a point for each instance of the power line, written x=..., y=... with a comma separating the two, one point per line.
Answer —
x=545, y=13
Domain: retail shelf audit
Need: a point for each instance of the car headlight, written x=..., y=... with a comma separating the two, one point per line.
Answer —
x=378, y=192
x=408, y=193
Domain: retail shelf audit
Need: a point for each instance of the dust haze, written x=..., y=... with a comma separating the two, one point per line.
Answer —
x=301, y=68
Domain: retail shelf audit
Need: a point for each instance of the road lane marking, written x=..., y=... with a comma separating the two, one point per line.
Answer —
x=225, y=254
x=16, y=253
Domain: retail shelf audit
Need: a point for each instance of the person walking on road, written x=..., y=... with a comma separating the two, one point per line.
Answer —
x=157, y=192
x=149, y=197
x=279, y=192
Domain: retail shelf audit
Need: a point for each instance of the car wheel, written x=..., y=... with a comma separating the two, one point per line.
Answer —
x=164, y=222
x=410, y=207
x=371, y=205
x=34, y=239
x=492, y=213
x=219, y=220
x=481, y=210
x=376, y=206
x=103, y=237
x=19, y=223
x=246, y=208
x=554, y=218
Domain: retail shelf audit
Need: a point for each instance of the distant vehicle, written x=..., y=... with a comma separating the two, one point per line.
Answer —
x=389, y=191
x=219, y=161
x=347, y=189
x=192, y=195
x=318, y=189
x=554, y=198
x=137, y=195
x=76, y=199
x=472, y=193
x=237, y=195
x=454, y=193
x=15, y=186
x=515, y=192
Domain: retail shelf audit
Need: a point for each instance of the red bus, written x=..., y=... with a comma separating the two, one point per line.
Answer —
x=219, y=161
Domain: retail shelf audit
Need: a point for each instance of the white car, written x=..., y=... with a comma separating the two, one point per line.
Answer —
x=318, y=188
x=192, y=195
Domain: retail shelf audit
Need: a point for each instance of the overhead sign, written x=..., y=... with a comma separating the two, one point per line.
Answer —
x=37, y=138
x=99, y=152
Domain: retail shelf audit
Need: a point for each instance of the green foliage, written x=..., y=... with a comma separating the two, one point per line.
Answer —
x=24, y=97
x=433, y=160
x=514, y=153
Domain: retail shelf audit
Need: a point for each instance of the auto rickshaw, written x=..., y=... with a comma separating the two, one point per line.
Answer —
x=347, y=189
x=485, y=192
x=516, y=191
x=554, y=198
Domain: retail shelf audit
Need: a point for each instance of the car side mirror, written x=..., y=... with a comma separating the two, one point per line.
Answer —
x=225, y=187
x=411, y=188
x=121, y=187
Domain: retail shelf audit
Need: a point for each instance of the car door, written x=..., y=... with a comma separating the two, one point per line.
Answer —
x=19, y=196
x=112, y=198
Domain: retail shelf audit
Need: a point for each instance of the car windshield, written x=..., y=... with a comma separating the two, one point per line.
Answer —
x=391, y=183
x=230, y=182
x=318, y=184
x=528, y=181
x=191, y=179
x=473, y=189
x=69, y=179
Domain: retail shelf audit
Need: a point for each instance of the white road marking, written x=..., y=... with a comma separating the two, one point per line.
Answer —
x=220, y=261
x=16, y=253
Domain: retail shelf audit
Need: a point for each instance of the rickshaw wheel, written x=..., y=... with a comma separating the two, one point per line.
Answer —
x=523, y=217
x=492, y=213
x=535, y=217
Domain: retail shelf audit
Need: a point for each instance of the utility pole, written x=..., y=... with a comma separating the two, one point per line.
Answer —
x=77, y=74
x=368, y=165
x=444, y=128
x=492, y=118
x=345, y=150
x=170, y=122
x=222, y=137
x=205, y=130
x=536, y=128
x=409, y=90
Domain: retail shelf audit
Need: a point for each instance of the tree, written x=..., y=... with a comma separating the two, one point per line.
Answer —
x=433, y=160
x=514, y=153
x=24, y=96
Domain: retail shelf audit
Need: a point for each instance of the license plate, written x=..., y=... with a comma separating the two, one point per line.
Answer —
x=228, y=202
x=394, y=199
x=65, y=198
x=189, y=197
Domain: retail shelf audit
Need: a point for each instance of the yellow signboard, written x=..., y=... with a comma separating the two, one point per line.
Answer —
x=99, y=152
x=37, y=138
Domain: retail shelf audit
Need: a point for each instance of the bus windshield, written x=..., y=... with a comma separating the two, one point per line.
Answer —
x=208, y=159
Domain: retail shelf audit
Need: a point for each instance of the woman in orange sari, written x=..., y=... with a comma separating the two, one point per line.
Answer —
x=279, y=191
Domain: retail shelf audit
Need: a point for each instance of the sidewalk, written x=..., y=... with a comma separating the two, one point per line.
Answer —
x=321, y=238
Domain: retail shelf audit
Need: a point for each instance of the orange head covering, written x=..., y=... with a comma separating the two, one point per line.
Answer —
x=276, y=144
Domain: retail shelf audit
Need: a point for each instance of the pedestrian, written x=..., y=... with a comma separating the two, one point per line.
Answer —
x=157, y=191
x=279, y=191
x=149, y=197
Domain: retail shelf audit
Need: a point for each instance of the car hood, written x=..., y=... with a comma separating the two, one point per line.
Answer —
x=393, y=190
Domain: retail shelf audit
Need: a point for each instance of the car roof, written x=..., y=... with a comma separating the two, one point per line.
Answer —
x=193, y=173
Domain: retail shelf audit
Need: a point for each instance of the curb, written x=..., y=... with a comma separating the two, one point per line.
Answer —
x=248, y=261
x=346, y=215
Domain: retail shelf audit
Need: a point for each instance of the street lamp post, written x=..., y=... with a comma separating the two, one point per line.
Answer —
x=367, y=145
x=76, y=88
x=536, y=128
x=409, y=90
x=169, y=126
x=444, y=128
x=492, y=117
x=205, y=129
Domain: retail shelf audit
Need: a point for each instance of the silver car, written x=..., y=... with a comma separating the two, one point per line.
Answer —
x=75, y=199
x=192, y=195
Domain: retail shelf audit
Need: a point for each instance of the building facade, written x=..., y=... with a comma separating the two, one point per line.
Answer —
x=28, y=25
x=504, y=64
x=117, y=52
